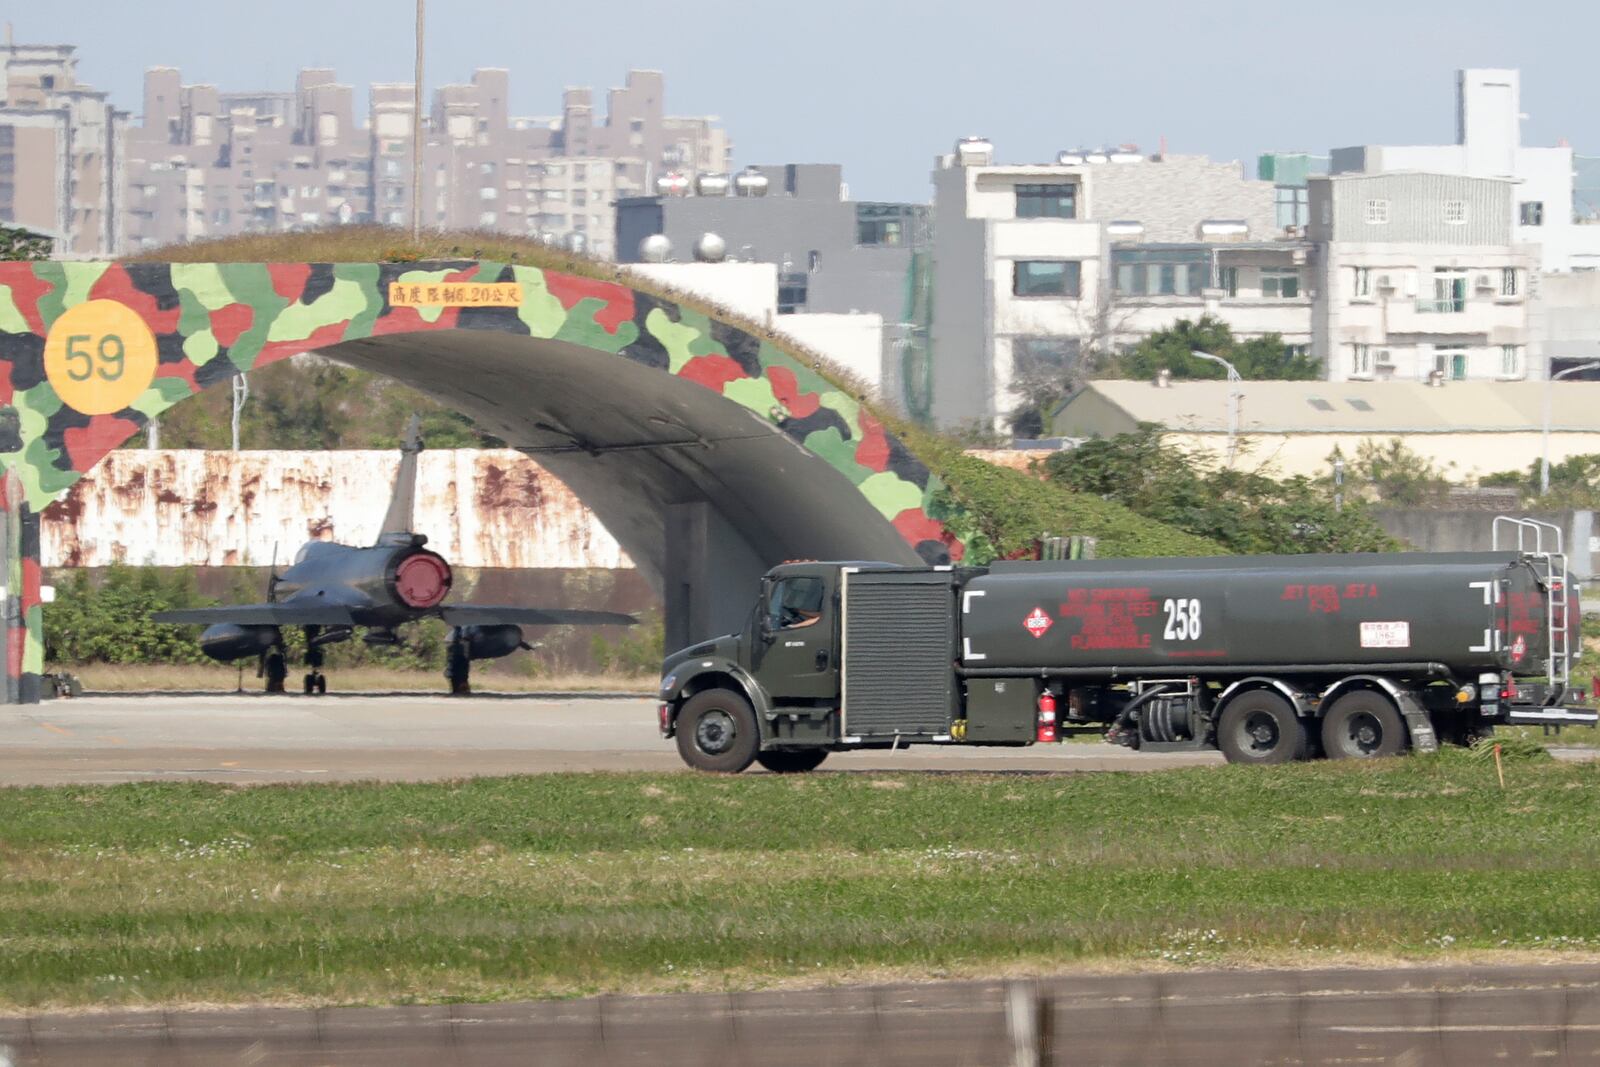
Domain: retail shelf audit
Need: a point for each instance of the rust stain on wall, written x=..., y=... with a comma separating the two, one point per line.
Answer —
x=480, y=508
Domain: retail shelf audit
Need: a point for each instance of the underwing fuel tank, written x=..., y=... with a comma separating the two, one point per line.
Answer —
x=1471, y=612
x=228, y=641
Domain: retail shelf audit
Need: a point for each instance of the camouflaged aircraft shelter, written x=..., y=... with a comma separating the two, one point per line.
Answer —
x=710, y=452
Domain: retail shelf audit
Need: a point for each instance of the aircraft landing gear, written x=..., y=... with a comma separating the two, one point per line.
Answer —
x=316, y=683
x=273, y=668
x=458, y=665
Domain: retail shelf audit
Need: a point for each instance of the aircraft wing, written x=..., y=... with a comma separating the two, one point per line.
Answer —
x=286, y=613
x=489, y=615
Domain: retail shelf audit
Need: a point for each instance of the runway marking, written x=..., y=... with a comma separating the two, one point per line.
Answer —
x=54, y=728
x=112, y=740
x=1480, y=1028
x=230, y=763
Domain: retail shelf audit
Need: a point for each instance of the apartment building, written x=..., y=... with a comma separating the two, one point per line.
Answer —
x=60, y=152
x=206, y=163
x=1419, y=277
x=1036, y=266
x=1489, y=145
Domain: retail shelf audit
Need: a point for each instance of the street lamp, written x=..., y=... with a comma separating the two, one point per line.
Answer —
x=1544, y=461
x=416, y=133
x=1234, y=396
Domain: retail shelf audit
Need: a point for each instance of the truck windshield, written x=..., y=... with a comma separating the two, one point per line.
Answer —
x=795, y=602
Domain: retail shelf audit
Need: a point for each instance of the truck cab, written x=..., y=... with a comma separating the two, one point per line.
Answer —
x=779, y=693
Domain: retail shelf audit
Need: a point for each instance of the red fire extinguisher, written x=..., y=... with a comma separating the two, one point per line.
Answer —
x=1047, y=717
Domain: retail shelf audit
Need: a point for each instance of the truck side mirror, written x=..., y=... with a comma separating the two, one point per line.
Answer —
x=768, y=631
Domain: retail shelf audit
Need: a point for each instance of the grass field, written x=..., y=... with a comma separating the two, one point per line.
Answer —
x=570, y=884
x=124, y=678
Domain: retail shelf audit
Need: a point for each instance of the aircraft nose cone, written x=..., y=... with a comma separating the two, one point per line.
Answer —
x=422, y=580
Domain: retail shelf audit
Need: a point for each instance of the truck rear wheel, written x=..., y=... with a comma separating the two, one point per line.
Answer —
x=1261, y=727
x=717, y=732
x=1363, y=724
x=792, y=760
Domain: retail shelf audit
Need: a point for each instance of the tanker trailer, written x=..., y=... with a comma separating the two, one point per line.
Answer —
x=1267, y=658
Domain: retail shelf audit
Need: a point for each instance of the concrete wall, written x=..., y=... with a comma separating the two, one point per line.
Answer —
x=1462, y=455
x=1471, y=531
x=492, y=508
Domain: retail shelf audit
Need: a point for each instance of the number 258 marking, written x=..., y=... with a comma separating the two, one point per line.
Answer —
x=81, y=361
x=1183, y=619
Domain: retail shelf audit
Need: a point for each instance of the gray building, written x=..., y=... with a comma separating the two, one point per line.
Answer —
x=206, y=163
x=833, y=254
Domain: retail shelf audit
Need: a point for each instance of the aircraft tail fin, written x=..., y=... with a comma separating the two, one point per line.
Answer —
x=402, y=504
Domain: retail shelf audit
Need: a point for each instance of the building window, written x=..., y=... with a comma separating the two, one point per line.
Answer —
x=1510, y=362
x=1228, y=278
x=580, y=198
x=1532, y=212
x=1290, y=204
x=1455, y=212
x=1361, y=360
x=1046, y=277
x=792, y=292
x=1377, y=212
x=580, y=172
x=1508, y=281
x=1161, y=272
x=881, y=224
x=1363, y=281
x=1280, y=284
x=1451, y=362
x=1449, y=290
x=1057, y=201
x=1055, y=357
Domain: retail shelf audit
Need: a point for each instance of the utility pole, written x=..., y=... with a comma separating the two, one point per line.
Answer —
x=416, y=134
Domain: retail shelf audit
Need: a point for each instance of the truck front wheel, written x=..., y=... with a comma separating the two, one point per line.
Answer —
x=717, y=732
x=1363, y=724
x=792, y=760
x=1261, y=727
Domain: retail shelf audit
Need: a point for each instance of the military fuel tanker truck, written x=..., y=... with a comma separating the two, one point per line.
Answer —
x=1267, y=658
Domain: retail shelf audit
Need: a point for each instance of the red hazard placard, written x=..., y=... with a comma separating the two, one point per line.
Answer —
x=1038, y=623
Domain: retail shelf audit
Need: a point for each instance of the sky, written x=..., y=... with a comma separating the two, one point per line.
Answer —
x=883, y=86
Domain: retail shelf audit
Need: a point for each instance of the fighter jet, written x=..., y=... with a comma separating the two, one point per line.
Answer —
x=331, y=589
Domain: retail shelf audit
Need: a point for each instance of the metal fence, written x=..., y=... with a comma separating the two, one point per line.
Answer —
x=1417, y=1018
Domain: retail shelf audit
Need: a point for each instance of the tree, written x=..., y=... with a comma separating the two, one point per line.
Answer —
x=1574, y=483
x=1043, y=384
x=1248, y=512
x=19, y=244
x=1261, y=358
x=1392, y=473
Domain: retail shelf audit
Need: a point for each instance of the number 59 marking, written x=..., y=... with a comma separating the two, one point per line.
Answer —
x=111, y=351
x=1183, y=619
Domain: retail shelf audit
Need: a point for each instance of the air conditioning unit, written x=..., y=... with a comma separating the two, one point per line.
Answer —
x=1385, y=282
x=1484, y=283
x=1383, y=358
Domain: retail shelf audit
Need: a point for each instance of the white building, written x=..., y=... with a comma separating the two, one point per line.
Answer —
x=1418, y=275
x=1489, y=145
x=1037, y=265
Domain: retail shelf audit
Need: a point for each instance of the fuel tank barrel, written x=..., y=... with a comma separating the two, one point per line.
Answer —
x=493, y=641
x=1469, y=611
x=228, y=641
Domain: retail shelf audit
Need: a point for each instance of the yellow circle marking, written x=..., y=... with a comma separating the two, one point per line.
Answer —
x=100, y=356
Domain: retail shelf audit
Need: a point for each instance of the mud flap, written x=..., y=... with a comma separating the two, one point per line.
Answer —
x=1423, y=739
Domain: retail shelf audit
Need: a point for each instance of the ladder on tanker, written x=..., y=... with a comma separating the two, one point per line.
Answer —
x=1530, y=536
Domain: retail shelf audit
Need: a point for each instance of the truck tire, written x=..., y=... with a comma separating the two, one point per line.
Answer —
x=1363, y=724
x=792, y=760
x=1260, y=726
x=717, y=732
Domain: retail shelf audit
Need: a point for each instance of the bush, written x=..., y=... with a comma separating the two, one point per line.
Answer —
x=1245, y=512
x=109, y=621
x=639, y=651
